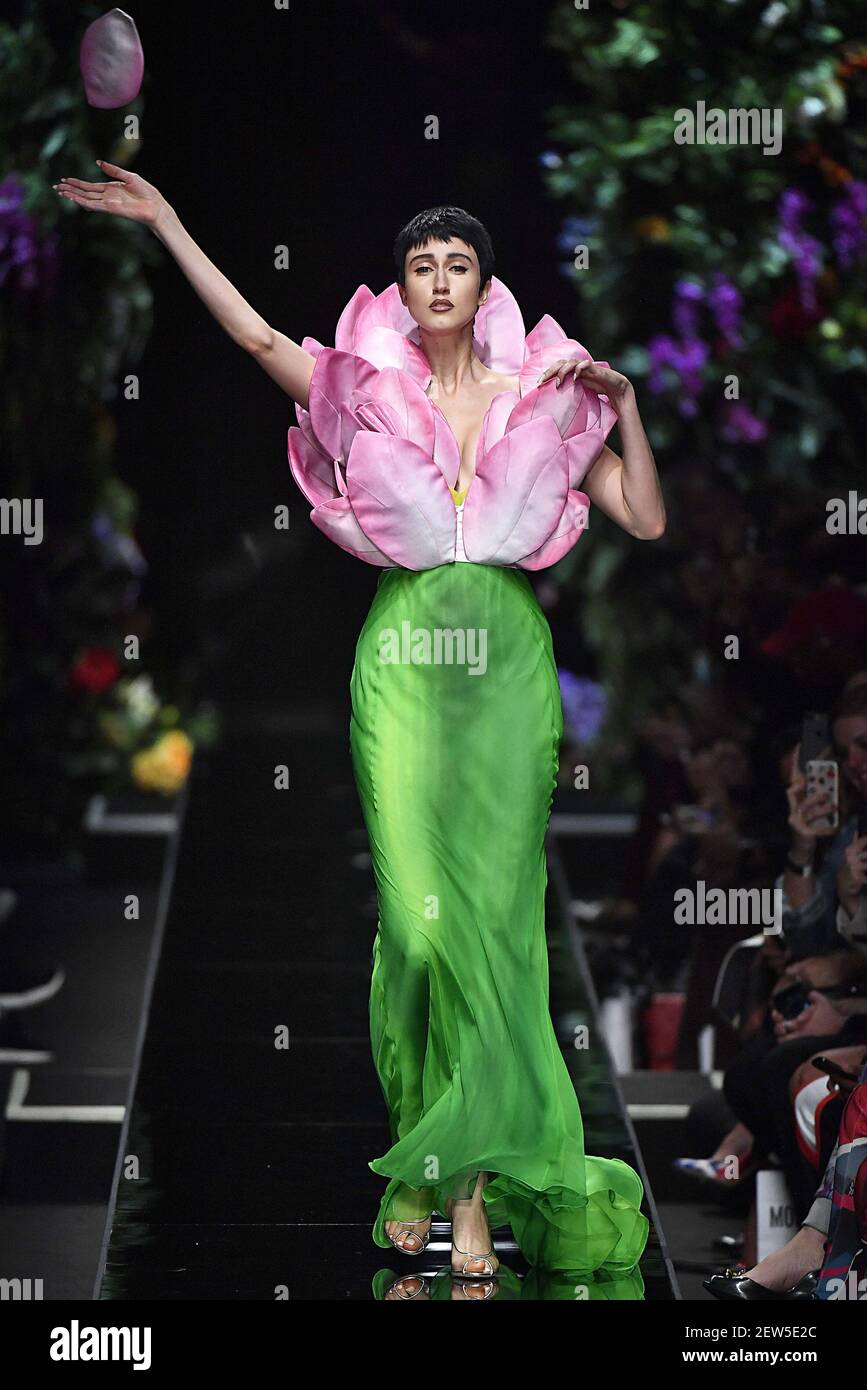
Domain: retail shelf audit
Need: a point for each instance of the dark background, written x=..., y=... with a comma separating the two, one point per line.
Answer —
x=309, y=133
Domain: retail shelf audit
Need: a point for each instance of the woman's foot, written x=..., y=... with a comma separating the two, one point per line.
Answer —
x=786, y=1267
x=472, y=1247
x=411, y=1286
x=409, y=1236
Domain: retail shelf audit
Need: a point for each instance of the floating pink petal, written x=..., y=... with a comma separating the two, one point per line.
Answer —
x=111, y=61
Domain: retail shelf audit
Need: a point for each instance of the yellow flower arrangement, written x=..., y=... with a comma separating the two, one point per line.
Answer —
x=165, y=766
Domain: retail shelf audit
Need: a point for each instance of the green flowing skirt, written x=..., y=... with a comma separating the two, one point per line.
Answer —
x=455, y=734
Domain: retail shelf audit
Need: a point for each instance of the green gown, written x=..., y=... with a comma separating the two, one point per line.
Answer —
x=455, y=761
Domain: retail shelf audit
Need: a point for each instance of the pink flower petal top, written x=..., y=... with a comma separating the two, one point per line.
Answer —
x=377, y=459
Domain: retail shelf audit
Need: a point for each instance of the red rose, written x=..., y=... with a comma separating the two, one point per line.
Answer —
x=95, y=670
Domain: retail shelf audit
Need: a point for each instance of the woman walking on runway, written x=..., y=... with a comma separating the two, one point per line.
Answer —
x=441, y=443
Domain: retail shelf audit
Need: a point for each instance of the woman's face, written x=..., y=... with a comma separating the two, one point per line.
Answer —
x=850, y=746
x=447, y=270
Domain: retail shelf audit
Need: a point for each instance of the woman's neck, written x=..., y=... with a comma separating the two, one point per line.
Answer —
x=452, y=359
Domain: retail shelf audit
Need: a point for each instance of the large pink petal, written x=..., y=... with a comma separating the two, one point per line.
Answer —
x=447, y=455
x=517, y=495
x=573, y=407
x=499, y=330
x=400, y=500
x=345, y=336
x=565, y=405
x=335, y=376
x=362, y=412
x=546, y=332
x=399, y=407
x=573, y=522
x=373, y=414
x=581, y=454
x=385, y=347
x=495, y=422
x=314, y=347
x=387, y=310
x=553, y=350
x=410, y=405
x=312, y=471
x=338, y=522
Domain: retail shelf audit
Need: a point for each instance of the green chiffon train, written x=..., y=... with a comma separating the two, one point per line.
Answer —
x=455, y=761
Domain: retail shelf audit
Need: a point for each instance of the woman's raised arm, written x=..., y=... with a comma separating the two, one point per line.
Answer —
x=129, y=195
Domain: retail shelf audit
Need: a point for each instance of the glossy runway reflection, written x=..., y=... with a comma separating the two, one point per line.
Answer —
x=256, y=1106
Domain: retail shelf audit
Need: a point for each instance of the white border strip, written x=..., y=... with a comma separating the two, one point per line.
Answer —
x=77, y=1114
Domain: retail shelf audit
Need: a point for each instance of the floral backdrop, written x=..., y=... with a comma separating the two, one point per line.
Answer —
x=708, y=261
x=79, y=714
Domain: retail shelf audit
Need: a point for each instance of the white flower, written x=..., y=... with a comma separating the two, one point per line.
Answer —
x=140, y=699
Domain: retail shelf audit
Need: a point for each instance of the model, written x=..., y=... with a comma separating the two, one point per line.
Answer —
x=441, y=443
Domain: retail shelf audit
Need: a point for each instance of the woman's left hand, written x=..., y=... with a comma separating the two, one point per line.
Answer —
x=603, y=380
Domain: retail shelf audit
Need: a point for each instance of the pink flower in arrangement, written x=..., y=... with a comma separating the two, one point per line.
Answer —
x=375, y=457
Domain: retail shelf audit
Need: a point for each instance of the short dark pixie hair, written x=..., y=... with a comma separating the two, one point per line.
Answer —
x=440, y=224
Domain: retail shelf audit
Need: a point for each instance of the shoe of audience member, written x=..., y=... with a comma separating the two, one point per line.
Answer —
x=18, y=1048
x=712, y=1170
x=733, y=1284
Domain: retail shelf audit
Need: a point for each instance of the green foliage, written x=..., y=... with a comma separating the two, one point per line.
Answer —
x=654, y=212
x=75, y=312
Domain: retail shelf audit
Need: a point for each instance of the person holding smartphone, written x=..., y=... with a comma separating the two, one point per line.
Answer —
x=811, y=892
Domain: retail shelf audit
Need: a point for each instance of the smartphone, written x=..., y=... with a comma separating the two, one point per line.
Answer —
x=823, y=775
x=815, y=737
x=791, y=1001
x=833, y=1069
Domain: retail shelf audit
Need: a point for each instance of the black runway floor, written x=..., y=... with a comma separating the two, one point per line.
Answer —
x=242, y=1170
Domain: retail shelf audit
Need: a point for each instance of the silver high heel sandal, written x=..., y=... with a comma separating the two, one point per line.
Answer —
x=425, y=1239
x=490, y=1272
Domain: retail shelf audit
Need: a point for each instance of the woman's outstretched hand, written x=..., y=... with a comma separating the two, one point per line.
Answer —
x=126, y=195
